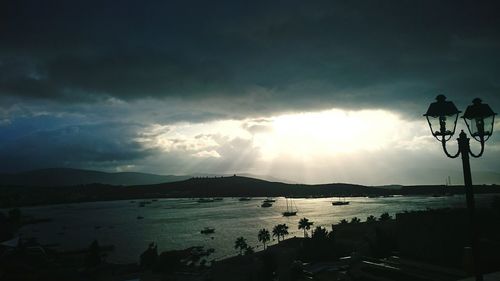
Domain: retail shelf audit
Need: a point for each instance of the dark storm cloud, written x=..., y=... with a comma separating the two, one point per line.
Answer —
x=80, y=80
x=70, y=146
x=263, y=57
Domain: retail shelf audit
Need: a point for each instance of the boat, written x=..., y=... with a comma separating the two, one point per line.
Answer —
x=140, y=217
x=340, y=202
x=291, y=209
x=269, y=200
x=207, y=230
x=244, y=199
x=289, y=213
x=266, y=204
x=205, y=200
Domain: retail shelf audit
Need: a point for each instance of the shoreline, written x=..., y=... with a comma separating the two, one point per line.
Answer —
x=234, y=186
x=485, y=192
x=359, y=237
x=158, y=214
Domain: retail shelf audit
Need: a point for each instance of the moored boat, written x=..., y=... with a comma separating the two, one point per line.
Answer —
x=266, y=204
x=207, y=230
x=205, y=200
x=291, y=209
x=340, y=202
x=289, y=213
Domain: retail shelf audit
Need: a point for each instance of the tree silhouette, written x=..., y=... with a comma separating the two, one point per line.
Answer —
x=385, y=217
x=149, y=257
x=276, y=232
x=371, y=218
x=355, y=220
x=305, y=224
x=343, y=221
x=319, y=233
x=284, y=231
x=264, y=236
x=241, y=244
x=280, y=230
x=249, y=250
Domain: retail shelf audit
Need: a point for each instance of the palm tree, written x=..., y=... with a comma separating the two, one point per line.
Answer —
x=280, y=230
x=305, y=224
x=385, y=217
x=241, y=244
x=371, y=218
x=319, y=233
x=264, y=236
x=276, y=232
x=355, y=220
x=284, y=231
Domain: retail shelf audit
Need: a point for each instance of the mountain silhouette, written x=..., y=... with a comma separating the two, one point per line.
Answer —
x=70, y=177
x=51, y=186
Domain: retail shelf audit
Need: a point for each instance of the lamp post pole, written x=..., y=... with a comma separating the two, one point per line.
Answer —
x=480, y=120
x=464, y=148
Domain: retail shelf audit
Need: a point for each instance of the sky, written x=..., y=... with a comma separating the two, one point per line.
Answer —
x=304, y=91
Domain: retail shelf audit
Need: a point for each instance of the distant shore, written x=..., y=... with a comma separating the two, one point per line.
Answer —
x=233, y=186
x=406, y=234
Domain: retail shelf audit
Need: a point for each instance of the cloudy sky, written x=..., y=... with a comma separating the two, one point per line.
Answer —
x=307, y=91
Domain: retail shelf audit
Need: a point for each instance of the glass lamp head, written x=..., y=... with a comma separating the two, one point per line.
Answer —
x=480, y=119
x=442, y=117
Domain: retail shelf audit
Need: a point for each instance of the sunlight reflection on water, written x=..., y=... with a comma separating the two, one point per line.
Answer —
x=176, y=223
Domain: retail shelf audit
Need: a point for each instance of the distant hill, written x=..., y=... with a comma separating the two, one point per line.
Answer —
x=197, y=187
x=71, y=177
x=238, y=186
x=232, y=186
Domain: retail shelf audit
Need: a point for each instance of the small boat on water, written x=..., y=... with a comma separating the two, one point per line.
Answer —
x=266, y=204
x=205, y=200
x=207, y=230
x=289, y=213
x=244, y=199
x=144, y=203
x=140, y=217
x=340, y=202
x=269, y=200
x=291, y=209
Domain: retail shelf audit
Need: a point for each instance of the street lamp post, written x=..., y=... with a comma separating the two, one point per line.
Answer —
x=479, y=119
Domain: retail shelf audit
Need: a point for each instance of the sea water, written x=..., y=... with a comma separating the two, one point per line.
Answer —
x=176, y=223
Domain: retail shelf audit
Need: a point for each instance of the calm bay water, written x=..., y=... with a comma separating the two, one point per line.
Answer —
x=176, y=223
